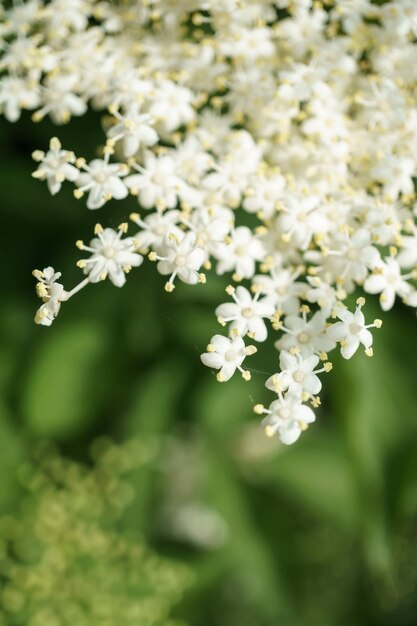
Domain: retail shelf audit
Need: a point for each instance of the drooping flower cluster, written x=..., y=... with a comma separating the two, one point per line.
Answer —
x=296, y=117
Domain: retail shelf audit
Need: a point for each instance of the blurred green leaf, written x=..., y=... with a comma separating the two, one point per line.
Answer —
x=63, y=387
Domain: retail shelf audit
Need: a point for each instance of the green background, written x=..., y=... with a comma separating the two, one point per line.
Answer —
x=322, y=533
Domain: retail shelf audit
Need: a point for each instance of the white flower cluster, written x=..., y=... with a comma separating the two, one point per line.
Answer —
x=298, y=117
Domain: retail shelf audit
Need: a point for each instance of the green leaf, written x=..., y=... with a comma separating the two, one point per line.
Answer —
x=64, y=386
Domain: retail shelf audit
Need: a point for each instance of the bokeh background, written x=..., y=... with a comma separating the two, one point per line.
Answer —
x=319, y=534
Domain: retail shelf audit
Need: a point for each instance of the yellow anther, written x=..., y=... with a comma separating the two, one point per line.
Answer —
x=55, y=144
x=123, y=227
x=169, y=287
x=269, y=431
x=220, y=377
x=249, y=350
x=38, y=155
x=98, y=229
x=134, y=217
x=202, y=278
x=237, y=277
x=377, y=323
x=152, y=256
x=41, y=290
x=369, y=352
x=246, y=375
x=328, y=366
x=221, y=321
x=81, y=264
x=78, y=194
x=360, y=301
x=259, y=409
x=80, y=244
x=230, y=290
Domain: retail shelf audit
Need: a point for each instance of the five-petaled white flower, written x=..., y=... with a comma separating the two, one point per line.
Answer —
x=246, y=313
x=103, y=182
x=227, y=356
x=352, y=331
x=287, y=417
x=111, y=255
x=55, y=166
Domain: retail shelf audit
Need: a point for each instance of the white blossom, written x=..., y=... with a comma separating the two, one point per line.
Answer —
x=352, y=331
x=227, y=356
x=111, y=256
x=55, y=166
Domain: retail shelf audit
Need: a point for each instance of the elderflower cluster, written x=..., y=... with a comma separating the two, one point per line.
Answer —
x=272, y=141
x=65, y=557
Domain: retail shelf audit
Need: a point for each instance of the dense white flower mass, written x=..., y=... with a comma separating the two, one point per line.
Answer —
x=274, y=142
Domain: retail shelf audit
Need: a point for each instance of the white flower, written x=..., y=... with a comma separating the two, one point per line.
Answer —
x=103, y=182
x=387, y=281
x=246, y=313
x=240, y=253
x=227, y=355
x=309, y=336
x=134, y=129
x=155, y=228
x=352, y=331
x=287, y=417
x=60, y=99
x=111, y=256
x=17, y=93
x=156, y=185
x=51, y=292
x=298, y=375
x=55, y=166
x=180, y=256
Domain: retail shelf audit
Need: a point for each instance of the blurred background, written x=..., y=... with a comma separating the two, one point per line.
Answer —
x=251, y=532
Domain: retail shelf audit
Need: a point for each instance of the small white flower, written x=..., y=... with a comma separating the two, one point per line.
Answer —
x=180, y=257
x=246, y=313
x=55, y=166
x=156, y=185
x=309, y=336
x=134, y=129
x=111, y=256
x=240, y=253
x=352, y=331
x=155, y=228
x=227, y=355
x=51, y=292
x=103, y=182
x=388, y=282
x=17, y=93
x=298, y=375
x=287, y=417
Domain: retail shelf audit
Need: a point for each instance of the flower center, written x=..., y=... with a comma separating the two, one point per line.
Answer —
x=100, y=177
x=180, y=260
x=230, y=356
x=285, y=413
x=247, y=312
x=352, y=254
x=298, y=376
x=303, y=337
x=240, y=250
x=108, y=252
x=354, y=328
